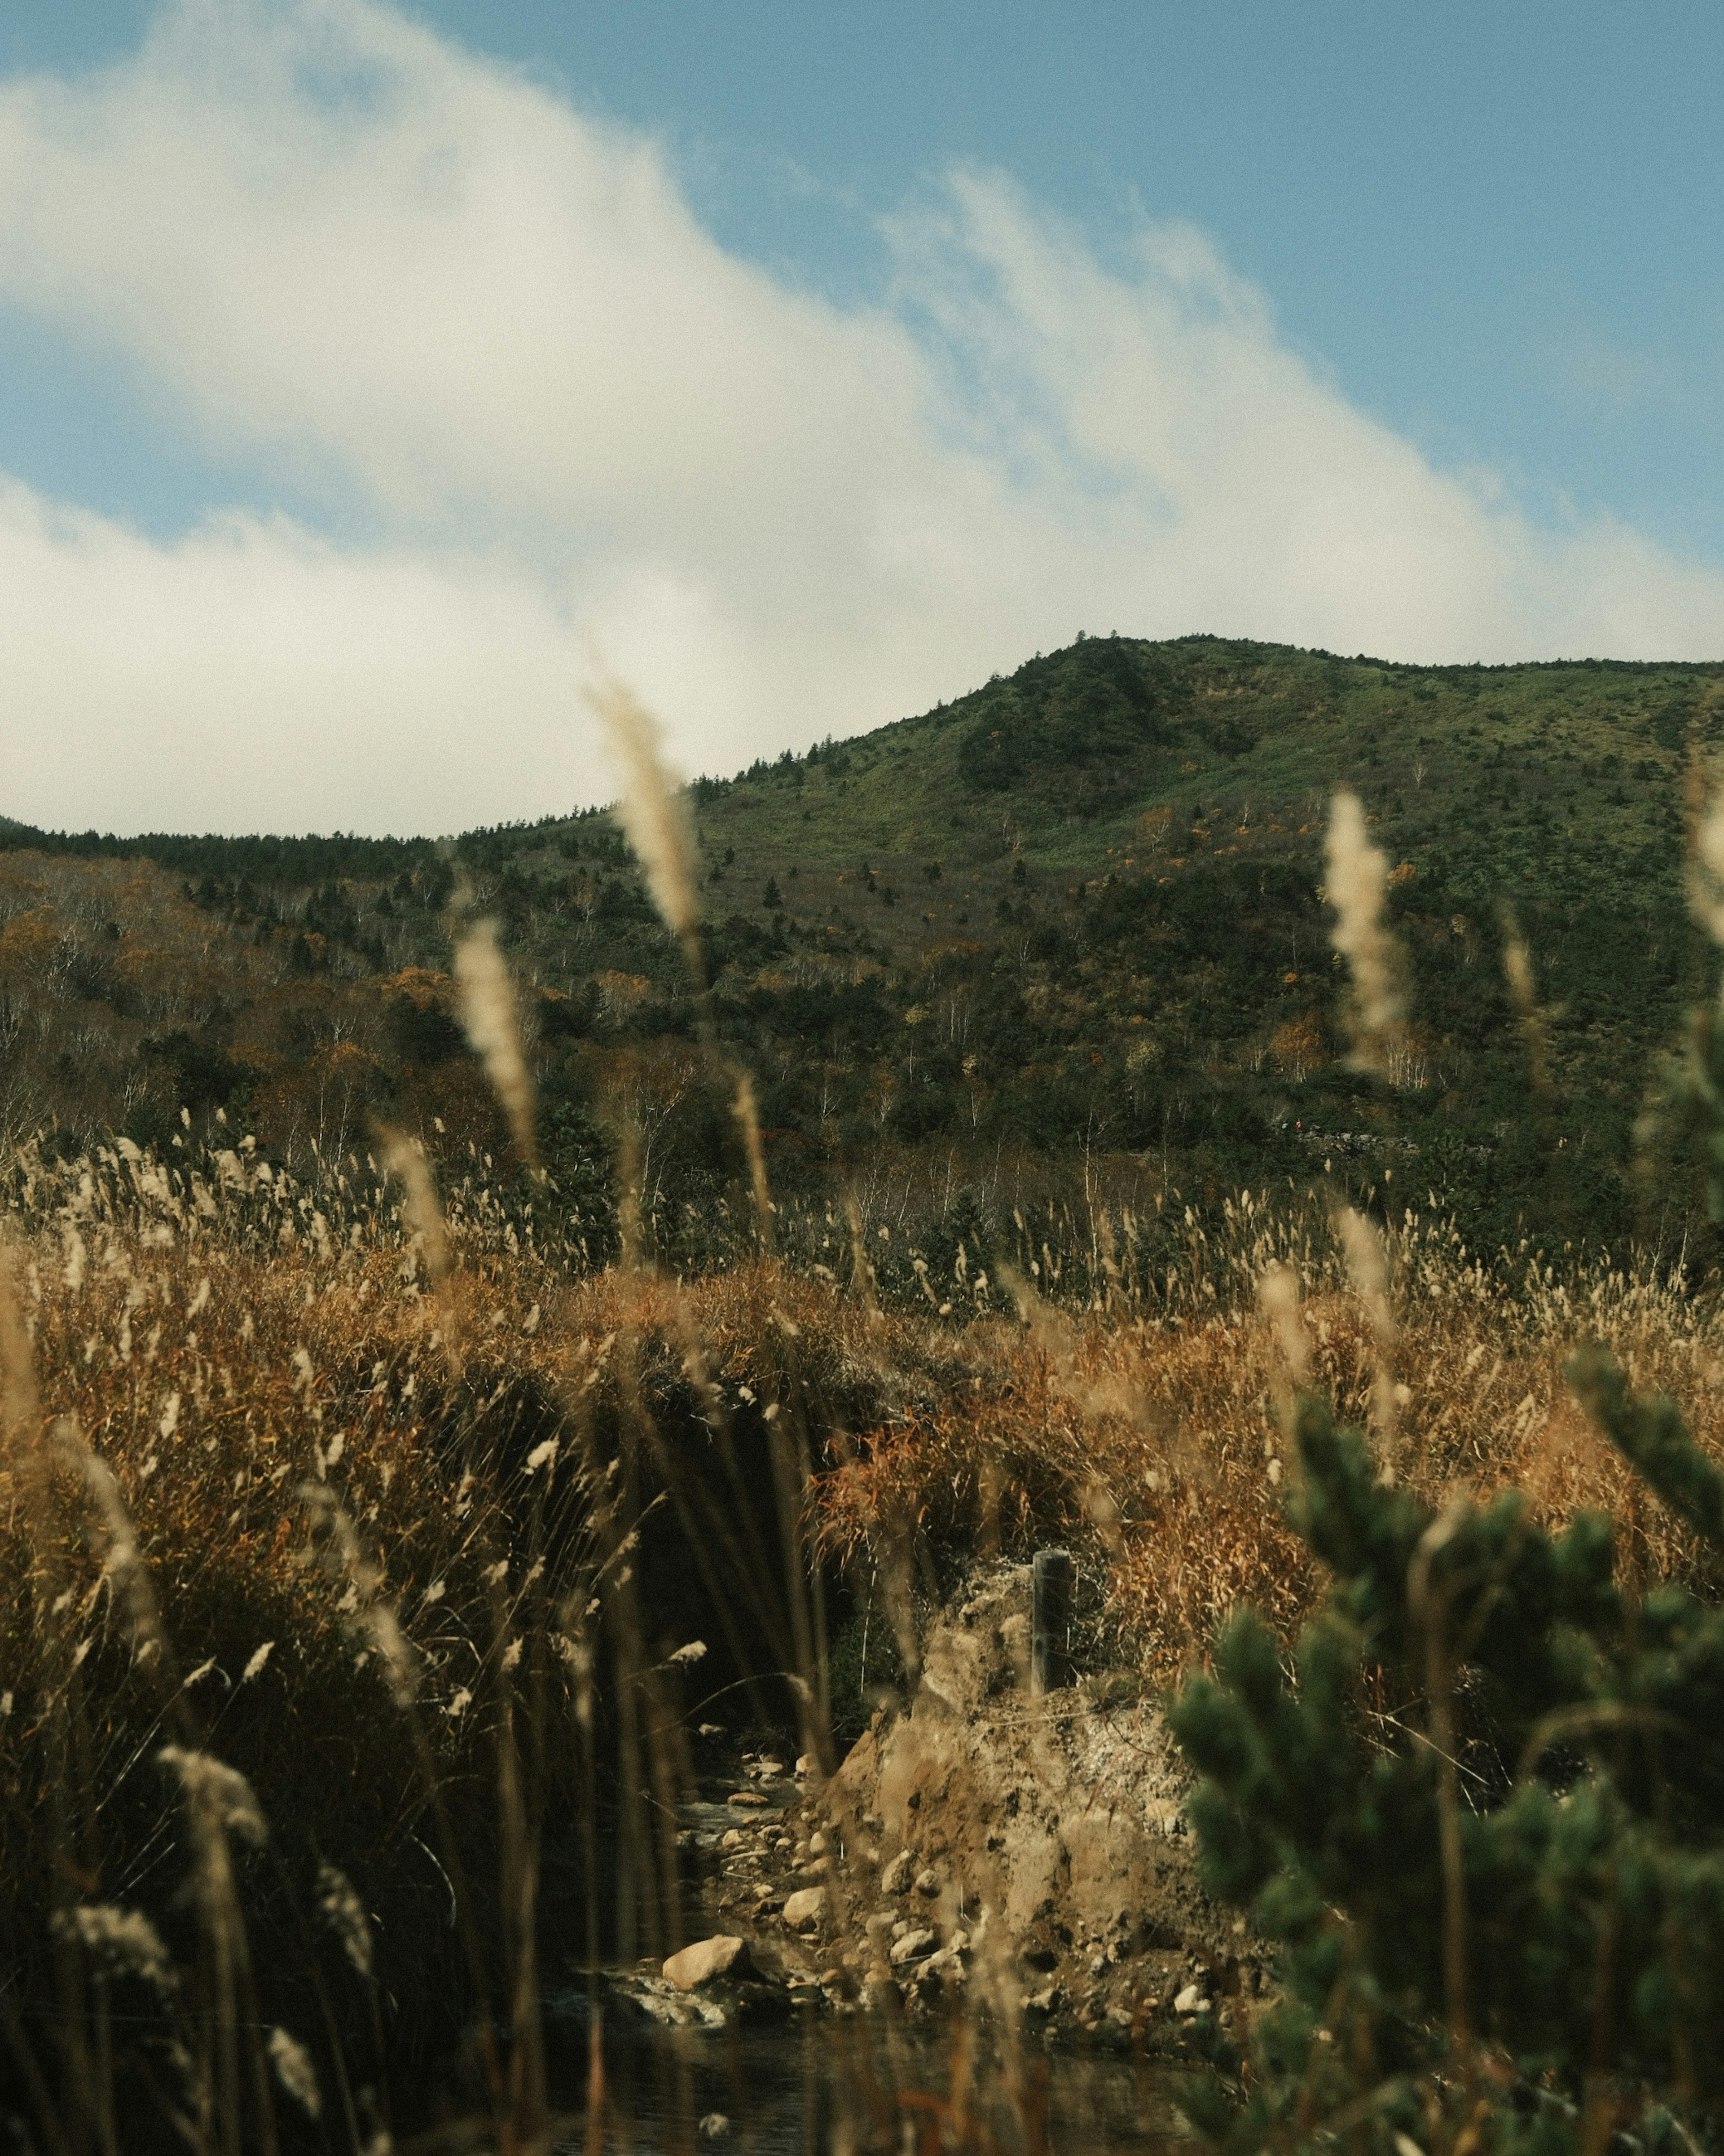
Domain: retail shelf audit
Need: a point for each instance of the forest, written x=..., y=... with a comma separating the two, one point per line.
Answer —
x=1068, y=926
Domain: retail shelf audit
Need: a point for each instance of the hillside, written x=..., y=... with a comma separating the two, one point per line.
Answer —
x=1058, y=940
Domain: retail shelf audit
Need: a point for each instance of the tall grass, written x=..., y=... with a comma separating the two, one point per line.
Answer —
x=355, y=1526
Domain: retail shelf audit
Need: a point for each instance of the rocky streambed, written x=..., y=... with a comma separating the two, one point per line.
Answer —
x=1029, y=1853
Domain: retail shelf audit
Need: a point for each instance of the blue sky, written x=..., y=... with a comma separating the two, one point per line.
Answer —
x=808, y=364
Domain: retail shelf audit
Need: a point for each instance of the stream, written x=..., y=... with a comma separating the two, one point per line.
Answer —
x=816, y=2081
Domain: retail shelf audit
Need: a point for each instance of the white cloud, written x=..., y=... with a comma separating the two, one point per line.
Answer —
x=359, y=257
x=251, y=677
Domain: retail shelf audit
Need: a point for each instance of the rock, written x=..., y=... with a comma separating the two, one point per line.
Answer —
x=707, y=1959
x=928, y=1881
x=713, y=2126
x=731, y=1838
x=804, y=1909
x=664, y=2004
x=1191, y=2000
x=711, y=1729
x=1072, y=1812
x=747, y=1800
x=806, y=1765
x=1045, y=2002
x=769, y=1770
x=913, y=1946
x=817, y=1845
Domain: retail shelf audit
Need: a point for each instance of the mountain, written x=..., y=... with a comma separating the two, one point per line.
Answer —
x=1060, y=937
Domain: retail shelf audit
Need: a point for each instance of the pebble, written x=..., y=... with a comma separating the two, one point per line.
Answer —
x=817, y=1845
x=897, y=1875
x=732, y=1838
x=928, y=1881
x=913, y=1945
x=1191, y=2000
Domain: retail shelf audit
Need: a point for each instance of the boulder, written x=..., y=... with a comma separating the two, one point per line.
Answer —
x=722, y=1955
x=804, y=1910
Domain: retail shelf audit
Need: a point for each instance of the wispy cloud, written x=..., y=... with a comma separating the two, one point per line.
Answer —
x=358, y=257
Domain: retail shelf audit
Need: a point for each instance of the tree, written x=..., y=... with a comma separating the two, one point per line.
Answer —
x=1481, y=1814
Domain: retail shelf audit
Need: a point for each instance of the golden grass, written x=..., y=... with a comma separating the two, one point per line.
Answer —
x=219, y=1369
x=343, y=1427
x=1156, y=1443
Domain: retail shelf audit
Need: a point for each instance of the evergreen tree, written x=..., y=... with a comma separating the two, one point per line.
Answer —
x=1480, y=1814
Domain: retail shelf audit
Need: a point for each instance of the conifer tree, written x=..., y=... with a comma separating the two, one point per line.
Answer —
x=1479, y=1812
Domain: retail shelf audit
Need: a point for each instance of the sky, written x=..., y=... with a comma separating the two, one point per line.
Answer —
x=372, y=376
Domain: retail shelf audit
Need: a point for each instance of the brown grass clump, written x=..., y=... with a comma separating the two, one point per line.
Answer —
x=426, y=1538
x=1156, y=1445
x=219, y=1372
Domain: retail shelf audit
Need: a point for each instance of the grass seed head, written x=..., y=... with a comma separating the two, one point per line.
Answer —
x=493, y=1026
x=1705, y=870
x=654, y=810
x=1357, y=885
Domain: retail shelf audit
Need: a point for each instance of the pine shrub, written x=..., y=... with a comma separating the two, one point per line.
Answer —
x=1480, y=1815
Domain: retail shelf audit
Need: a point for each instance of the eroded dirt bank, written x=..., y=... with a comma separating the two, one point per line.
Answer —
x=981, y=1840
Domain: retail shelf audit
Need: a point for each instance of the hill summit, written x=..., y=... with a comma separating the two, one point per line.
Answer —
x=1067, y=926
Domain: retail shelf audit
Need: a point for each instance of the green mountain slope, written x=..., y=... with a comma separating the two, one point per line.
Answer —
x=1067, y=926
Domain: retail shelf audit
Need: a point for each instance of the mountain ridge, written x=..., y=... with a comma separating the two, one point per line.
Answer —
x=1075, y=912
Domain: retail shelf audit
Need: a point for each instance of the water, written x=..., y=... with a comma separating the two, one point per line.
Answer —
x=815, y=2082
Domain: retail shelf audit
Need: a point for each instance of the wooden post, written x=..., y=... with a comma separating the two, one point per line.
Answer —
x=1050, y=1620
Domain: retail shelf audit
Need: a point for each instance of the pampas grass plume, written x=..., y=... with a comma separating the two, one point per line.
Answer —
x=405, y=1162
x=488, y=1014
x=1705, y=878
x=1278, y=1298
x=1357, y=881
x=1368, y=1269
x=653, y=808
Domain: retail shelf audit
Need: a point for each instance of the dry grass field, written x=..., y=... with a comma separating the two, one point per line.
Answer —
x=369, y=1553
